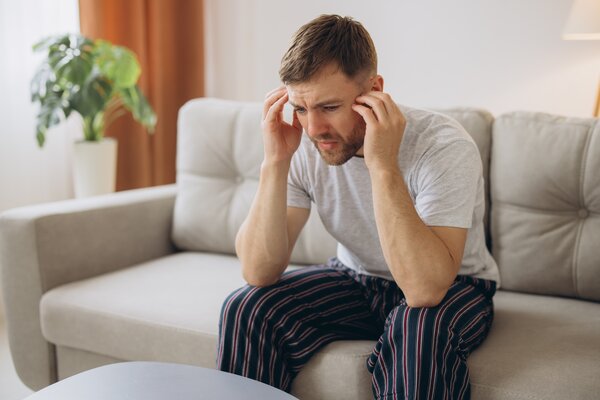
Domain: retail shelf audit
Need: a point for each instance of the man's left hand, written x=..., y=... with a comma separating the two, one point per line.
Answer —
x=384, y=129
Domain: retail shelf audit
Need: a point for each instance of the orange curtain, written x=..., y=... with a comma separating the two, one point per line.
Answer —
x=168, y=38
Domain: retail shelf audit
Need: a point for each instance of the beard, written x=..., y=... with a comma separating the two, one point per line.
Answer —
x=345, y=149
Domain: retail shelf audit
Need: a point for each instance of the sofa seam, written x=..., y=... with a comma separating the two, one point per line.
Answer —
x=43, y=279
x=236, y=127
x=236, y=169
x=43, y=289
x=543, y=211
x=582, y=174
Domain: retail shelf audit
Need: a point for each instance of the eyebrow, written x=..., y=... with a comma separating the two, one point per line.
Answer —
x=320, y=104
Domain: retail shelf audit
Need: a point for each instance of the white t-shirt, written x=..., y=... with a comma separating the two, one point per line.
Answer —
x=442, y=169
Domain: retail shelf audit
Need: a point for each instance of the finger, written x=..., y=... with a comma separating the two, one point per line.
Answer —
x=366, y=113
x=279, y=89
x=273, y=96
x=390, y=104
x=376, y=104
x=276, y=110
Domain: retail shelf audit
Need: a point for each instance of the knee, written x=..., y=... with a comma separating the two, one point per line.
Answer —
x=413, y=322
x=236, y=301
x=244, y=304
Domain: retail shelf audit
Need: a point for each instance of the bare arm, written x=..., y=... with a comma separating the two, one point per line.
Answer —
x=265, y=240
x=423, y=260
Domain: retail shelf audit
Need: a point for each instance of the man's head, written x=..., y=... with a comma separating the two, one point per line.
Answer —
x=331, y=61
x=325, y=40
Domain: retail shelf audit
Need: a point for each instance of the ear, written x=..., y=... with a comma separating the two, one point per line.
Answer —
x=377, y=85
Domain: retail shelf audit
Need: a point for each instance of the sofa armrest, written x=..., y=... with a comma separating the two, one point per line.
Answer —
x=47, y=245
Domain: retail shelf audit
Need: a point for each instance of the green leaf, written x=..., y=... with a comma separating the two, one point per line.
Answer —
x=135, y=101
x=93, y=96
x=43, y=79
x=117, y=63
x=51, y=41
x=40, y=136
x=72, y=65
x=51, y=113
x=88, y=77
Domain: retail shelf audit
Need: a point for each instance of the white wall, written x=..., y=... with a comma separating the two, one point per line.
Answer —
x=29, y=174
x=501, y=55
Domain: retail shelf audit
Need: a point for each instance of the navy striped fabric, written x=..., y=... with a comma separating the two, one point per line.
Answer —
x=269, y=334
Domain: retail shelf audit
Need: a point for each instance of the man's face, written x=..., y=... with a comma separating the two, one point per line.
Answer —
x=323, y=105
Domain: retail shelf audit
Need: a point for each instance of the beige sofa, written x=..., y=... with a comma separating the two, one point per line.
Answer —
x=141, y=275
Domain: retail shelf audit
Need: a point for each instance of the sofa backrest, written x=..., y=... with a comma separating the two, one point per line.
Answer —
x=478, y=123
x=219, y=152
x=545, y=194
x=542, y=177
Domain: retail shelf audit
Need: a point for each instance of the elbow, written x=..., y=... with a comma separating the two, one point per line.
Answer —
x=422, y=303
x=262, y=277
x=425, y=300
x=260, y=282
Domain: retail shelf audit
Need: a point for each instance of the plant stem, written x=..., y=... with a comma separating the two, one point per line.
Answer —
x=93, y=127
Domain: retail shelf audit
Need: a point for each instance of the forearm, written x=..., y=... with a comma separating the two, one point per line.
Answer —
x=419, y=260
x=262, y=241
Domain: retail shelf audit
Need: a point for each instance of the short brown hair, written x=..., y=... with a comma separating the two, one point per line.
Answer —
x=326, y=39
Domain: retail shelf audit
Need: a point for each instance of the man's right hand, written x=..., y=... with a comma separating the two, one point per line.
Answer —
x=281, y=139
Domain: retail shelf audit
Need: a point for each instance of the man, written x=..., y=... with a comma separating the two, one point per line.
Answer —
x=401, y=190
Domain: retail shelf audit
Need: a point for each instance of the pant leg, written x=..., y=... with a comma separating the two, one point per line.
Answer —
x=423, y=351
x=269, y=333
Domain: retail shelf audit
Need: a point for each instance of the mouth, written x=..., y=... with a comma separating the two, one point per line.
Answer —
x=327, y=145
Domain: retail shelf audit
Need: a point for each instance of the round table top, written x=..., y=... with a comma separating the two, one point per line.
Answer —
x=157, y=381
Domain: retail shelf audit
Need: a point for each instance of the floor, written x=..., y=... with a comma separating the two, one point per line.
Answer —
x=11, y=387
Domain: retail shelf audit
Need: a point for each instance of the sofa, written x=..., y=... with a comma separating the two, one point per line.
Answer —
x=142, y=274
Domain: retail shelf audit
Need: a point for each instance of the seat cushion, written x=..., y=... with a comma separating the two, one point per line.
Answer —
x=539, y=347
x=168, y=310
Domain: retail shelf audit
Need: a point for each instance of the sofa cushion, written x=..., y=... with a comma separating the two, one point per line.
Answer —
x=478, y=123
x=219, y=152
x=539, y=347
x=168, y=310
x=165, y=309
x=545, y=194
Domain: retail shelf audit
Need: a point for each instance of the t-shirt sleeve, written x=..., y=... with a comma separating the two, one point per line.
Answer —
x=447, y=183
x=298, y=185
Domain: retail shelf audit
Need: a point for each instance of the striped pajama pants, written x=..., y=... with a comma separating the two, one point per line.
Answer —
x=269, y=334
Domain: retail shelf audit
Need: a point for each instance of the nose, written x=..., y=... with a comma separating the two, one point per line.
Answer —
x=315, y=124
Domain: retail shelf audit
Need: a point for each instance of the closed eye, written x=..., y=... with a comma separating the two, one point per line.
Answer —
x=330, y=108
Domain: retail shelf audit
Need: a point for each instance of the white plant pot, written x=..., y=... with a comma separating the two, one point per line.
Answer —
x=94, y=167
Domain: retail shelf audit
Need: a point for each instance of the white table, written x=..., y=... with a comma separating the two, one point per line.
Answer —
x=157, y=381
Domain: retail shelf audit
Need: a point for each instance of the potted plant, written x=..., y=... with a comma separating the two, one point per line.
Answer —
x=97, y=80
